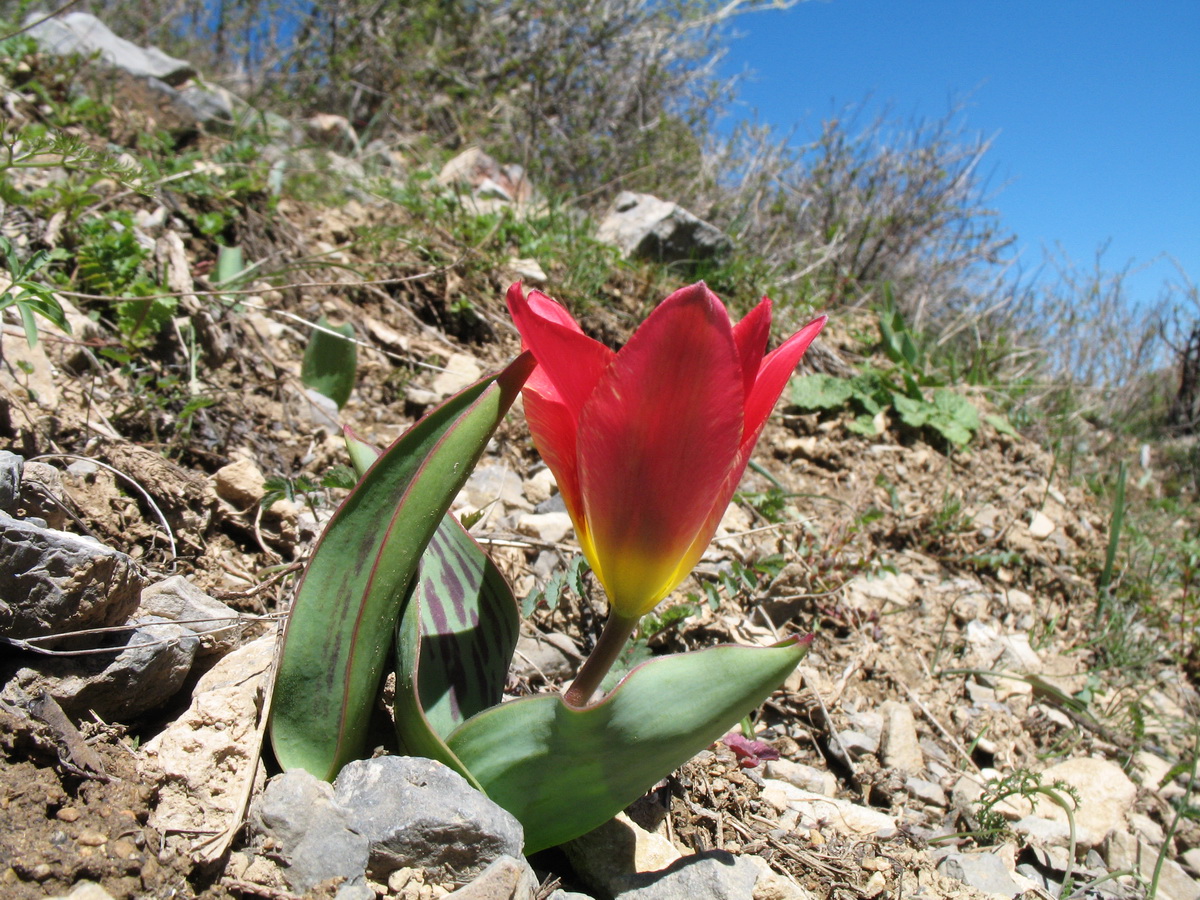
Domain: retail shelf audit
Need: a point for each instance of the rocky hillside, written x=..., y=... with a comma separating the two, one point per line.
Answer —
x=962, y=726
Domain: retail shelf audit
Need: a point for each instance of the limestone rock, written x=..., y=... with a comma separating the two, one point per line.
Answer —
x=807, y=778
x=146, y=667
x=11, y=466
x=884, y=594
x=84, y=34
x=178, y=600
x=900, y=746
x=460, y=371
x=64, y=582
x=983, y=871
x=1041, y=526
x=417, y=812
x=551, y=527
x=643, y=226
x=609, y=857
x=540, y=486
x=507, y=878
x=240, y=483
x=1106, y=796
x=549, y=656
x=491, y=185
x=206, y=755
x=813, y=810
x=312, y=830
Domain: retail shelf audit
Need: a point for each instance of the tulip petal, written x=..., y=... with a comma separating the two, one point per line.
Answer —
x=750, y=335
x=656, y=440
x=773, y=376
x=569, y=362
x=553, y=430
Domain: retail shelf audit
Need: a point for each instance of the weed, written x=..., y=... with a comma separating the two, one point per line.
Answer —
x=569, y=579
x=30, y=298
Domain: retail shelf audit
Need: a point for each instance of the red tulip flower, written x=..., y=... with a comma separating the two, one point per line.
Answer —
x=648, y=444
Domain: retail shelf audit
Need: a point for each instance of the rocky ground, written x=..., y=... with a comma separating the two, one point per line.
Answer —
x=949, y=735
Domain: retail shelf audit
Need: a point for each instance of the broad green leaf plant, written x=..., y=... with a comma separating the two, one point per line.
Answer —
x=647, y=445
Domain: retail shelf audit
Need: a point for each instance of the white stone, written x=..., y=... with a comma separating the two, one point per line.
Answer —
x=900, y=746
x=528, y=271
x=1174, y=883
x=460, y=371
x=1153, y=767
x=540, y=487
x=807, y=778
x=1106, y=796
x=817, y=810
x=773, y=886
x=1041, y=526
x=550, y=527
x=209, y=752
x=240, y=483
x=881, y=594
x=610, y=855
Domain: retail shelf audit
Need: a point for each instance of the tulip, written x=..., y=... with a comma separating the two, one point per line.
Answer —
x=648, y=443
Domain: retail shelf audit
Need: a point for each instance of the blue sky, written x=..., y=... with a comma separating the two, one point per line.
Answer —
x=1094, y=106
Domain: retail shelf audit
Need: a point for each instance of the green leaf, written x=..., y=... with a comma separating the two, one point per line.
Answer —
x=344, y=617
x=454, y=643
x=821, y=391
x=1001, y=424
x=330, y=361
x=563, y=771
x=914, y=413
x=864, y=425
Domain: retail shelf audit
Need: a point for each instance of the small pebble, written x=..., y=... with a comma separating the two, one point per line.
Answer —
x=91, y=839
x=67, y=814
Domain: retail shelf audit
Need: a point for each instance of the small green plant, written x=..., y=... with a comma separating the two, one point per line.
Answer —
x=30, y=298
x=309, y=490
x=1027, y=784
x=741, y=580
x=111, y=262
x=910, y=389
x=570, y=579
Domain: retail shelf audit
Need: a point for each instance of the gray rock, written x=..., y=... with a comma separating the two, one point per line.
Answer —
x=151, y=663
x=10, y=479
x=643, y=226
x=550, y=656
x=857, y=743
x=178, y=600
x=984, y=871
x=417, y=812
x=713, y=875
x=926, y=791
x=507, y=878
x=83, y=33
x=52, y=582
x=299, y=812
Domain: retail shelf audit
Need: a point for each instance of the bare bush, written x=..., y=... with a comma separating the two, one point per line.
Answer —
x=591, y=95
x=861, y=207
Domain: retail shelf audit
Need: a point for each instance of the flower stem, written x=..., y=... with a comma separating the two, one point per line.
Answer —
x=612, y=640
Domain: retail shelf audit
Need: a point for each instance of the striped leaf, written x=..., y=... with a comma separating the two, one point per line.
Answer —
x=454, y=643
x=349, y=601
